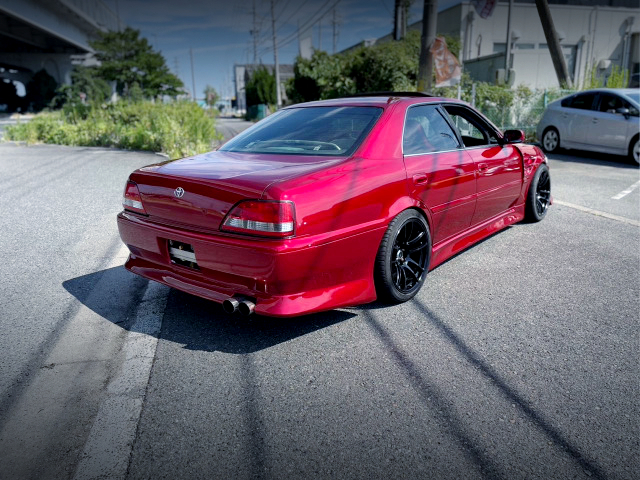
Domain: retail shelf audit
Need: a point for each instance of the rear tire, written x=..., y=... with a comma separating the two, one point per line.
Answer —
x=403, y=258
x=539, y=196
x=550, y=140
x=634, y=149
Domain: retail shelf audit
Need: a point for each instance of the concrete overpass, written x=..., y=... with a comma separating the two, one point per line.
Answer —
x=49, y=34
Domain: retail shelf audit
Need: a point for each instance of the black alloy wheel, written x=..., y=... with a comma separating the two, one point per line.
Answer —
x=403, y=257
x=539, y=197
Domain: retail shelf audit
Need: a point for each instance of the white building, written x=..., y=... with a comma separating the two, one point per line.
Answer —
x=591, y=36
x=597, y=34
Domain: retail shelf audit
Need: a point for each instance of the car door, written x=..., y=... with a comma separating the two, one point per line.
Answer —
x=608, y=130
x=498, y=167
x=441, y=175
x=577, y=117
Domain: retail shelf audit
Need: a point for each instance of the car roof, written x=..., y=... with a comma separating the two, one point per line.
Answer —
x=377, y=100
x=625, y=92
x=611, y=90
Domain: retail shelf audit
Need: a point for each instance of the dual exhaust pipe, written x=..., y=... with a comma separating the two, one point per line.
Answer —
x=238, y=304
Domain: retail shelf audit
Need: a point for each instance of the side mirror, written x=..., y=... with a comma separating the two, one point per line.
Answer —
x=623, y=111
x=513, y=136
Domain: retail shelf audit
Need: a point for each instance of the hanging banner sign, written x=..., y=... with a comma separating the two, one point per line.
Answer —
x=484, y=7
x=448, y=70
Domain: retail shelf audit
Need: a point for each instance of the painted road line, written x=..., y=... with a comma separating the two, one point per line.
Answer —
x=52, y=414
x=597, y=212
x=108, y=449
x=626, y=192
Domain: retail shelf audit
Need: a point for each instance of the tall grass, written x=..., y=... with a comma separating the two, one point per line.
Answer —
x=177, y=129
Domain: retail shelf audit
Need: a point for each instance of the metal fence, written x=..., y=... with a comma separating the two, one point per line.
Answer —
x=525, y=114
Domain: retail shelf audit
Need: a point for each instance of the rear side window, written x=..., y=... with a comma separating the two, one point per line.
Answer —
x=331, y=131
x=583, y=101
x=426, y=131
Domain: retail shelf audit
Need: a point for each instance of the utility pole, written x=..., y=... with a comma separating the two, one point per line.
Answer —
x=429, y=26
x=320, y=34
x=255, y=33
x=275, y=57
x=553, y=41
x=334, y=22
x=118, y=15
x=193, y=77
x=507, y=53
x=400, y=19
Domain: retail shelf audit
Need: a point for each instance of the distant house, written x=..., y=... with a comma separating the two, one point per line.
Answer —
x=594, y=35
x=242, y=74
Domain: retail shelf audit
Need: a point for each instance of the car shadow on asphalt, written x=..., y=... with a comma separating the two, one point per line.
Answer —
x=433, y=397
x=593, y=158
x=194, y=322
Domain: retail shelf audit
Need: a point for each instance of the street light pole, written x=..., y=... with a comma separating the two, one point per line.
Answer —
x=193, y=77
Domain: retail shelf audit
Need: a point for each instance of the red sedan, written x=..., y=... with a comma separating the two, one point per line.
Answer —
x=331, y=203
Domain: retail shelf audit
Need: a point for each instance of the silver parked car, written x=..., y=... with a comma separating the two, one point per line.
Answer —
x=603, y=120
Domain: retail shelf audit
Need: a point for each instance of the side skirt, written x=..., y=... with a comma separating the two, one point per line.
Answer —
x=450, y=247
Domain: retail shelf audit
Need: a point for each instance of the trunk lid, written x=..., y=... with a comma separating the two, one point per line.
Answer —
x=197, y=192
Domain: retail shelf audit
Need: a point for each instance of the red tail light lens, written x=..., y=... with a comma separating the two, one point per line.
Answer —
x=131, y=199
x=261, y=217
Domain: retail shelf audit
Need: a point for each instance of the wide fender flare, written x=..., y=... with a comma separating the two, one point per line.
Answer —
x=405, y=203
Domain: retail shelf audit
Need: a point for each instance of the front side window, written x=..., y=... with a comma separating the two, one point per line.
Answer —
x=330, y=131
x=610, y=103
x=426, y=131
x=472, y=129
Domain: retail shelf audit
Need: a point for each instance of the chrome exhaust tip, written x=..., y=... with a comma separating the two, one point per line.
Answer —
x=230, y=305
x=246, y=307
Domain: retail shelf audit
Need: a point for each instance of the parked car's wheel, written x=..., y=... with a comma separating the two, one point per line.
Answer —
x=403, y=257
x=539, y=195
x=634, y=149
x=550, y=140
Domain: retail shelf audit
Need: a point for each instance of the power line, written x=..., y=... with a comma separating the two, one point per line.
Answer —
x=385, y=6
x=312, y=21
x=294, y=13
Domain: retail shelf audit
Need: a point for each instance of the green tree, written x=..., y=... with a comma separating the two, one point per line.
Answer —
x=388, y=66
x=261, y=87
x=86, y=87
x=211, y=95
x=127, y=58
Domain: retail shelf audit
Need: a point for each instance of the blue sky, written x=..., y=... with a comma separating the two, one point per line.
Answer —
x=218, y=31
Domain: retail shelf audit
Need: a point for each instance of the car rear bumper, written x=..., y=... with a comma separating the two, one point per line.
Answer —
x=285, y=277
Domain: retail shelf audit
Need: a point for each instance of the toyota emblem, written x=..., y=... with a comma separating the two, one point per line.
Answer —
x=179, y=192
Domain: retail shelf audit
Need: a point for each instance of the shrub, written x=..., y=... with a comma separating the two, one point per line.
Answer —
x=178, y=129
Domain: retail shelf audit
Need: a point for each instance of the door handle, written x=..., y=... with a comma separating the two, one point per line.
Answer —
x=420, y=178
x=594, y=120
x=482, y=167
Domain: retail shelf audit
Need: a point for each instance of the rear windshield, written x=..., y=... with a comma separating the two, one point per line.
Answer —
x=332, y=131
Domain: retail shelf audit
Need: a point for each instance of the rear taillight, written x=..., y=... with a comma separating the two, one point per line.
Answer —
x=261, y=217
x=131, y=199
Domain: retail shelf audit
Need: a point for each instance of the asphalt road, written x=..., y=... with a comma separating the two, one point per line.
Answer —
x=229, y=127
x=518, y=359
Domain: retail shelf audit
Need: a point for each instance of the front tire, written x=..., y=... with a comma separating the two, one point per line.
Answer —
x=539, y=196
x=551, y=140
x=403, y=257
